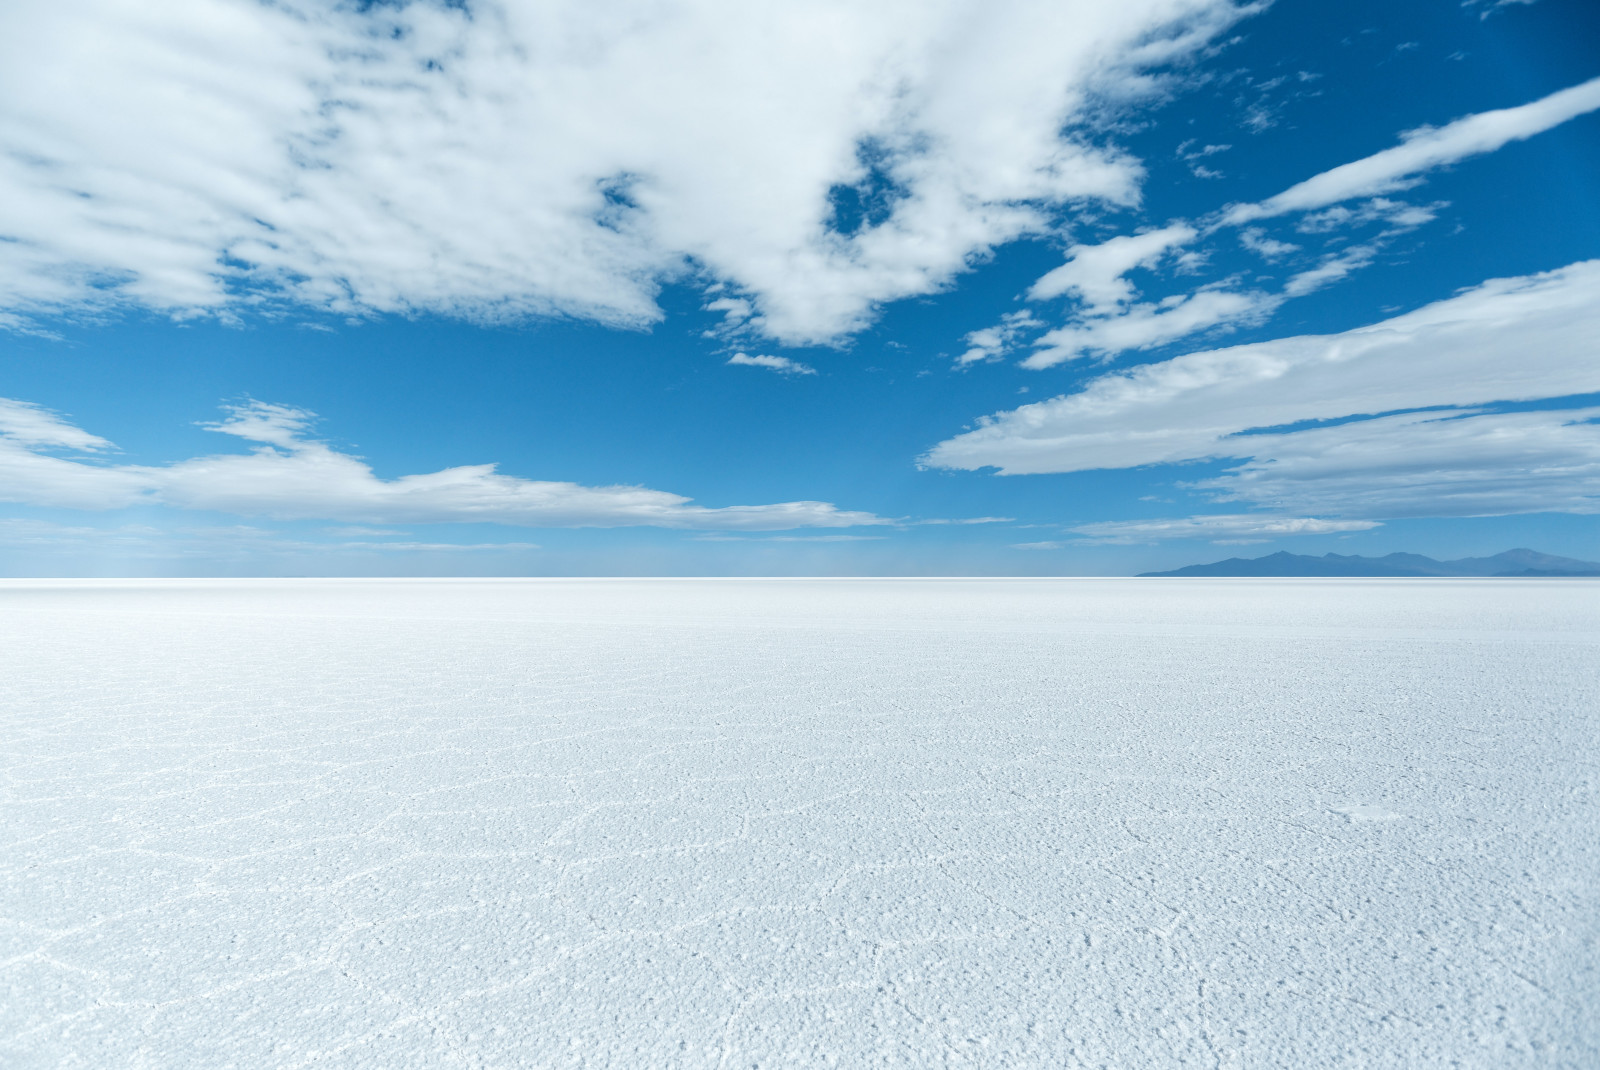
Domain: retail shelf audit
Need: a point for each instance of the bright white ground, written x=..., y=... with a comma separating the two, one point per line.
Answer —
x=1129, y=823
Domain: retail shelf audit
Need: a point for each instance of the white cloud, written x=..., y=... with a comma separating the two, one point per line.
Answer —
x=992, y=343
x=1491, y=6
x=31, y=473
x=1109, y=321
x=30, y=425
x=1193, y=156
x=260, y=421
x=1398, y=215
x=567, y=157
x=781, y=365
x=1094, y=273
x=1218, y=527
x=1451, y=463
x=1517, y=339
x=1255, y=239
x=1424, y=150
x=1144, y=326
x=1333, y=268
x=291, y=477
x=736, y=312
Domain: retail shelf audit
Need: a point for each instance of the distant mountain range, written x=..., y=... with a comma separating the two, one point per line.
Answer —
x=1526, y=563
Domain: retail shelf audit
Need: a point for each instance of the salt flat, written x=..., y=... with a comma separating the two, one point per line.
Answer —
x=1123, y=823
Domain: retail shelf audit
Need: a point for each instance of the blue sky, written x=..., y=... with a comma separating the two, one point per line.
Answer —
x=627, y=288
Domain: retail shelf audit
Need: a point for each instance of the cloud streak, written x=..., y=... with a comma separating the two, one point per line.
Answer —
x=1218, y=526
x=288, y=476
x=1453, y=463
x=781, y=365
x=1424, y=150
x=1150, y=324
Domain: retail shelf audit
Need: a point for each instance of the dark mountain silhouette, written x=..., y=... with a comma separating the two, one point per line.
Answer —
x=1521, y=562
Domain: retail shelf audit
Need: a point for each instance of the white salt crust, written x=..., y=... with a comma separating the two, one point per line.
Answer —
x=736, y=823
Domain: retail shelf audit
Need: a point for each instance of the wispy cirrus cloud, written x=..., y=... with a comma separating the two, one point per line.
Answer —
x=1489, y=7
x=992, y=343
x=1217, y=527
x=34, y=427
x=1424, y=150
x=781, y=365
x=1150, y=324
x=290, y=476
x=1394, y=215
x=1334, y=266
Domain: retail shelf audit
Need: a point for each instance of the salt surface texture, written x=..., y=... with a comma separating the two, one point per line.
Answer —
x=742, y=823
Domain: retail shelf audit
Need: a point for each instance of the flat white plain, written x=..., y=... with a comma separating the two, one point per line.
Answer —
x=1128, y=823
